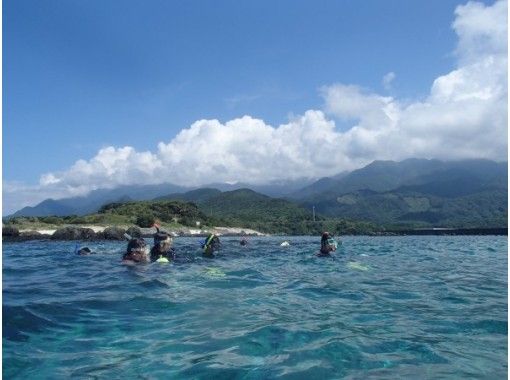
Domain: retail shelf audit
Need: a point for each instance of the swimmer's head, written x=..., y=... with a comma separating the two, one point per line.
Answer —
x=325, y=237
x=162, y=242
x=84, y=251
x=137, y=246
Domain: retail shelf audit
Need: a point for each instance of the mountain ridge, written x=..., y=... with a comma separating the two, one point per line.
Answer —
x=413, y=191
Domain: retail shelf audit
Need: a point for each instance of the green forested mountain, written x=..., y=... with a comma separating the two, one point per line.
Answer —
x=196, y=196
x=411, y=209
x=383, y=176
x=407, y=194
x=144, y=213
x=420, y=193
x=249, y=209
x=253, y=210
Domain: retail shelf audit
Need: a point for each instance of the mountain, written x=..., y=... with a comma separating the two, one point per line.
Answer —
x=404, y=208
x=254, y=210
x=389, y=175
x=47, y=207
x=196, y=196
x=95, y=199
x=420, y=193
x=277, y=188
x=318, y=186
x=413, y=192
x=249, y=204
x=377, y=176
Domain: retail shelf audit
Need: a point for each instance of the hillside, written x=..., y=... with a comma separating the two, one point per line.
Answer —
x=250, y=209
x=405, y=208
x=419, y=193
x=143, y=213
x=383, y=176
x=196, y=196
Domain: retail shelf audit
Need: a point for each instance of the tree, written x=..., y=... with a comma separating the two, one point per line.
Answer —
x=145, y=220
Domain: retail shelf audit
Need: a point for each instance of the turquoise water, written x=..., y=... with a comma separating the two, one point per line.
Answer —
x=384, y=308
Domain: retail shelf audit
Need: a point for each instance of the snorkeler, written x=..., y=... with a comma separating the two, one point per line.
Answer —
x=211, y=244
x=84, y=251
x=243, y=241
x=162, y=250
x=137, y=252
x=328, y=244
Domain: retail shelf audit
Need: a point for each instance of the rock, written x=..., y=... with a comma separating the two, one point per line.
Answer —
x=113, y=233
x=134, y=232
x=74, y=233
x=25, y=236
x=33, y=235
x=10, y=231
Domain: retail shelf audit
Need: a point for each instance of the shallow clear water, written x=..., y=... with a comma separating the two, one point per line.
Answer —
x=383, y=308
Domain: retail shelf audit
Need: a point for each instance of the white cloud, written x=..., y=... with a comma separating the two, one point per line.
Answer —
x=464, y=116
x=482, y=30
x=388, y=79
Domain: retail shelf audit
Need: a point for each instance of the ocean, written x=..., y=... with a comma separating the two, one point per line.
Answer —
x=425, y=307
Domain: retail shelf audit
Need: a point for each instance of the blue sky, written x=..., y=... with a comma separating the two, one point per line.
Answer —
x=81, y=76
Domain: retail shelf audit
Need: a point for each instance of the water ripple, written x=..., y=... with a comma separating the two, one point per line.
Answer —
x=383, y=308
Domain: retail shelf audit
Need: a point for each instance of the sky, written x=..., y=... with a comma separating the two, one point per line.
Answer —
x=101, y=94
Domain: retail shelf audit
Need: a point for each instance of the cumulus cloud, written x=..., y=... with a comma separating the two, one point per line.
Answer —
x=464, y=116
x=244, y=149
x=482, y=30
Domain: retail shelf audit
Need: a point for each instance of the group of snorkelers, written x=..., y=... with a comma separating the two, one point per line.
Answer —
x=162, y=251
x=138, y=250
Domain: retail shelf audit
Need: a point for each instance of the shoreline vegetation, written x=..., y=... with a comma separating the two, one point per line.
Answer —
x=10, y=234
x=116, y=232
x=245, y=214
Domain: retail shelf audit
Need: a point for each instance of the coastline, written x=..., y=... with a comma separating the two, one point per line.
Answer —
x=116, y=232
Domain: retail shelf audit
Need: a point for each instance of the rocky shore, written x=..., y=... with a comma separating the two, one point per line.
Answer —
x=91, y=233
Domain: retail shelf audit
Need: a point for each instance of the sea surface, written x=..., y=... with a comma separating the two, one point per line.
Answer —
x=426, y=307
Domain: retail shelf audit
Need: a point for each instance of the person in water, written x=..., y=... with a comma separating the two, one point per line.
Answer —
x=162, y=247
x=328, y=244
x=84, y=251
x=137, y=252
x=211, y=244
x=243, y=241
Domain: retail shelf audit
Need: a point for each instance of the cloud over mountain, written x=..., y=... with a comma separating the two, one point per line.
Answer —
x=464, y=116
